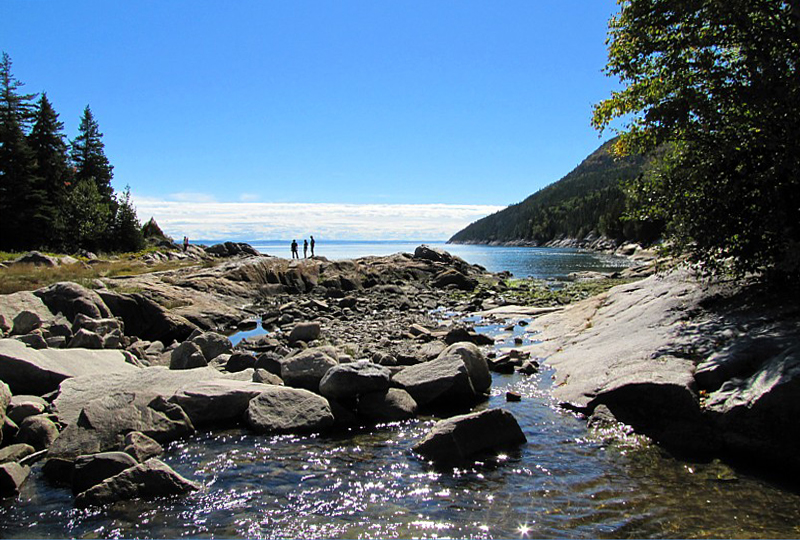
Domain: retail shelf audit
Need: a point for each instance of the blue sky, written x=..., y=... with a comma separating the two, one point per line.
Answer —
x=347, y=104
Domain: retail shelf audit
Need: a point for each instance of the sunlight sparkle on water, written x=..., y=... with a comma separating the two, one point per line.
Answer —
x=523, y=530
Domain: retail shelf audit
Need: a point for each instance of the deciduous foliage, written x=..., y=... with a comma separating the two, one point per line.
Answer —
x=714, y=85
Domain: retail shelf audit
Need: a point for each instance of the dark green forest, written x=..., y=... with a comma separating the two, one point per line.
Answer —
x=56, y=195
x=589, y=199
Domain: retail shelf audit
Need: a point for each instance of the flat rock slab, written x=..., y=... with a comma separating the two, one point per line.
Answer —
x=288, y=410
x=37, y=372
x=461, y=437
x=517, y=311
x=75, y=393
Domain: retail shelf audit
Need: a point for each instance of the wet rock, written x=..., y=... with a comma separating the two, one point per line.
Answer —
x=12, y=476
x=217, y=402
x=529, y=367
x=38, y=431
x=307, y=368
x=187, y=355
x=347, y=381
x=288, y=410
x=93, y=469
x=387, y=406
x=28, y=371
x=305, y=331
x=141, y=447
x=476, y=363
x=15, y=452
x=85, y=339
x=513, y=396
x=461, y=437
x=153, y=478
x=70, y=299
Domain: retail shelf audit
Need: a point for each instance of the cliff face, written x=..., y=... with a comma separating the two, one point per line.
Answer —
x=587, y=201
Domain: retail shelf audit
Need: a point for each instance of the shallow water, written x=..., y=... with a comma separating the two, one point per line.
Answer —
x=567, y=481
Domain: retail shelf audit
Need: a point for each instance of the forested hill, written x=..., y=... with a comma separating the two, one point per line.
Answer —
x=587, y=200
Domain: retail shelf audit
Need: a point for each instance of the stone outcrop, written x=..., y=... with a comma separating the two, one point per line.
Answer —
x=307, y=368
x=146, y=319
x=279, y=409
x=217, y=402
x=348, y=381
x=70, y=299
x=29, y=371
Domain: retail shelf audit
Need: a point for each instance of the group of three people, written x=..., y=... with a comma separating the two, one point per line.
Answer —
x=296, y=255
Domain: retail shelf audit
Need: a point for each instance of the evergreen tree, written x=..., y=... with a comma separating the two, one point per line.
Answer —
x=87, y=216
x=17, y=175
x=127, y=228
x=53, y=173
x=88, y=155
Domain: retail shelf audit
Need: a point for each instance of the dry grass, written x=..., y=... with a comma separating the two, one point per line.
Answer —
x=28, y=277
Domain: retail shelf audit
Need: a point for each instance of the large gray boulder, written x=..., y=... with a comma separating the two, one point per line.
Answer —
x=305, y=331
x=141, y=447
x=187, y=355
x=15, y=452
x=460, y=437
x=26, y=322
x=280, y=409
x=92, y=469
x=85, y=339
x=213, y=344
x=153, y=478
x=146, y=319
x=347, y=381
x=477, y=365
x=215, y=402
x=443, y=381
x=452, y=277
x=28, y=371
x=387, y=406
x=307, y=368
x=38, y=431
x=428, y=253
x=70, y=299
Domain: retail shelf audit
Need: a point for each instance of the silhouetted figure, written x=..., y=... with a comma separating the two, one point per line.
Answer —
x=305, y=249
x=312, y=246
x=185, y=243
x=295, y=255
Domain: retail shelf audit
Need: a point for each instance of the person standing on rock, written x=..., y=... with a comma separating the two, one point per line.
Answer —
x=305, y=249
x=294, y=250
x=312, y=245
x=185, y=243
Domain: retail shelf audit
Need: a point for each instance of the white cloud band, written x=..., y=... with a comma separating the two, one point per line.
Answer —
x=254, y=220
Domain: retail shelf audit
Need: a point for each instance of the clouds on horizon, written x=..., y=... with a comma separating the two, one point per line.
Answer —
x=201, y=218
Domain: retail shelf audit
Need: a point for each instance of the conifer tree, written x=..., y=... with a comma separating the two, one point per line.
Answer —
x=53, y=173
x=127, y=228
x=17, y=175
x=88, y=155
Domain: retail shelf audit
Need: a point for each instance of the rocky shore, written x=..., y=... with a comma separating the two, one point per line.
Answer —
x=95, y=381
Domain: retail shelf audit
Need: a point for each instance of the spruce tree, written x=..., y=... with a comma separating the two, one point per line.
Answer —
x=53, y=173
x=17, y=175
x=127, y=228
x=88, y=155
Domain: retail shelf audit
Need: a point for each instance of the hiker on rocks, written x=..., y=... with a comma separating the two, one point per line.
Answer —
x=185, y=243
x=305, y=249
x=295, y=255
x=312, y=246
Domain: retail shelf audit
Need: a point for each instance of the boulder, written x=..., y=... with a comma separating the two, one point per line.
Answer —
x=428, y=253
x=141, y=447
x=240, y=361
x=26, y=322
x=37, y=258
x=85, y=339
x=305, y=332
x=344, y=382
x=15, y=452
x=12, y=304
x=213, y=344
x=153, y=478
x=187, y=355
x=443, y=381
x=477, y=366
x=146, y=319
x=12, y=476
x=92, y=469
x=452, y=277
x=461, y=437
x=98, y=326
x=34, y=341
x=387, y=406
x=38, y=431
x=70, y=299
x=281, y=409
x=306, y=369
x=269, y=361
x=265, y=377
x=217, y=402
x=28, y=371
x=5, y=397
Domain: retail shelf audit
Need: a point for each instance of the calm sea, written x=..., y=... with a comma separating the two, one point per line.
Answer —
x=541, y=263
